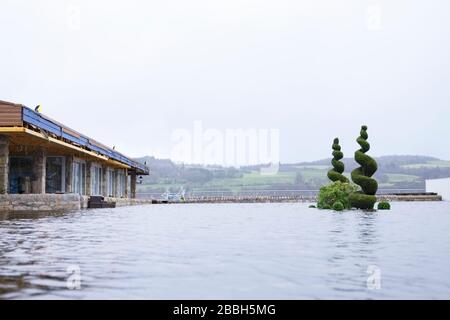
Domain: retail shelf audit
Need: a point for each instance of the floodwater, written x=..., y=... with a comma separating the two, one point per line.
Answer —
x=227, y=251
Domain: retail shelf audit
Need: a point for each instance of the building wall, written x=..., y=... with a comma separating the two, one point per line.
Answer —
x=88, y=177
x=38, y=163
x=55, y=202
x=39, y=202
x=440, y=186
x=4, y=164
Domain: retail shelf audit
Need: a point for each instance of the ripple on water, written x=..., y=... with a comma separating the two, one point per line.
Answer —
x=240, y=251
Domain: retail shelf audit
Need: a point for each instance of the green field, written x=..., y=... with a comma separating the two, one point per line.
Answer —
x=317, y=167
x=259, y=181
x=394, y=172
x=253, y=179
x=429, y=164
x=396, y=178
x=312, y=177
x=164, y=186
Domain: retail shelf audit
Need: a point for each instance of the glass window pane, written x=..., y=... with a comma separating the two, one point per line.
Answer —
x=20, y=174
x=54, y=175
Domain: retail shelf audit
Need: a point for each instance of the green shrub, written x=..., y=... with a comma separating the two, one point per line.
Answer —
x=312, y=206
x=362, y=176
x=335, y=192
x=338, y=206
x=384, y=205
x=362, y=201
x=335, y=174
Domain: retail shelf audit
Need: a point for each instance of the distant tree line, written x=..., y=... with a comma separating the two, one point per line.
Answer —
x=164, y=171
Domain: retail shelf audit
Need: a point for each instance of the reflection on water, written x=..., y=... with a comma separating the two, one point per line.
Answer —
x=20, y=244
x=239, y=251
x=30, y=215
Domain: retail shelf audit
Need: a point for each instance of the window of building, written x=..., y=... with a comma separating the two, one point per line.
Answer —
x=79, y=177
x=20, y=174
x=121, y=183
x=111, y=183
x=96, y=180
x=55, y=175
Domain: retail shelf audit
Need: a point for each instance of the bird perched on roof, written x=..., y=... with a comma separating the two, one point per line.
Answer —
x=38, y=108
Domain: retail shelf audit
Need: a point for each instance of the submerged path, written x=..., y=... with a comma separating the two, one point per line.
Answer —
x=299, y=198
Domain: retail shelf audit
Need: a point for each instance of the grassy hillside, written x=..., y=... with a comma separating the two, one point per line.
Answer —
x=428, y=164
x=395, y=172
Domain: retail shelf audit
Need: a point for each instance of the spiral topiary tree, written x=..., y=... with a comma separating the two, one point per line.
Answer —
x=335, y=174
x=362, y=176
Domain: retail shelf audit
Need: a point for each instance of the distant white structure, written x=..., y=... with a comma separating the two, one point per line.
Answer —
x=440, y=186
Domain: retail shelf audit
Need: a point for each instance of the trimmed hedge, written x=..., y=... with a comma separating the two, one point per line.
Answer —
x=363, y=201
x=338, y=206
x=335, y=174
x=384, y=205
x=362, y=176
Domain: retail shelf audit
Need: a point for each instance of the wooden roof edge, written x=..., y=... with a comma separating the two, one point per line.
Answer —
x=11, y=103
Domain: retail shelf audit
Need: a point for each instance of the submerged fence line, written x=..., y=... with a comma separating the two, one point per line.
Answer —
x=294, y=194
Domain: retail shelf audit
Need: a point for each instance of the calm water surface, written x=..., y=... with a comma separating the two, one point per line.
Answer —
x=238, y=251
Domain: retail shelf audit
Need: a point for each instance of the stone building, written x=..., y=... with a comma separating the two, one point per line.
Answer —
x=39, y=155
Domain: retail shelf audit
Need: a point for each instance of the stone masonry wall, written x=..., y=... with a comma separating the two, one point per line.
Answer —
x=55, y=202
x=69, y=173
x=133, y=180
x=122, y=202
x=39, y=202
x=4, y=164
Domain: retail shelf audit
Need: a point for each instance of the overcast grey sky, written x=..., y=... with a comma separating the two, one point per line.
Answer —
x=129, y=73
